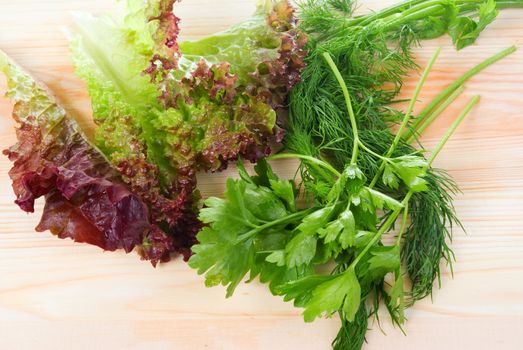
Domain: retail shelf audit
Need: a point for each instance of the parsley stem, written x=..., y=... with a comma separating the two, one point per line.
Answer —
x=408, y=114
x=453, y=128
x=413, y=101
x=413, y=5
x=509, y=4
x=433, y=116
x=412, y=10
x=455, y=85
x=270, y=224
x=346, y=95
x=403, y=223
x=384, y=228
x=430, y=8
x=314, y=160
x=377, y=155
x=386, y=12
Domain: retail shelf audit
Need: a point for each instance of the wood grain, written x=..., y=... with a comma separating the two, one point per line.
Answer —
x=55, y=294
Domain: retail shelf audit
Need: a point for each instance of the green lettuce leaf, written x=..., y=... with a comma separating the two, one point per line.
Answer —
x=165, y=110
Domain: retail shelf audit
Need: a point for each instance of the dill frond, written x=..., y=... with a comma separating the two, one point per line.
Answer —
x=351, y=335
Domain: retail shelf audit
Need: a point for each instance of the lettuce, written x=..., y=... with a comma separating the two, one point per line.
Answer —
x=165, y=110
x=84, y=197
x=265, y=52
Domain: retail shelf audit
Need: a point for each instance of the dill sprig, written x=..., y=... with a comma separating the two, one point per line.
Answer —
x=351, y=335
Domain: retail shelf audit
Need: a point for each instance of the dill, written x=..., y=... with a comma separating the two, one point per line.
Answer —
x=351, y=335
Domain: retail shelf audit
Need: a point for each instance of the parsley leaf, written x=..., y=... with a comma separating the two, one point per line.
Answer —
x=464, y=30
x=300, y=250
x=228, y=247
x=411, y=170
x=340, y=292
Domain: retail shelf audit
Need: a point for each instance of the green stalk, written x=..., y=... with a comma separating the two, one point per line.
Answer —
x=453, y=128
x=394, y=13
x=386, y=12
x=348, y=103
x=433, y=116
x=509, y=4
x=403, y=223
x=317, y=161
x=280, y=221
x=419, y=9
x=416, y=5
x=379, y=156
x=415, y=11
x=455, y=85
x=412, y=6
x=413, y=101
x=408, y=114
x=384, y=228
x=431, y=8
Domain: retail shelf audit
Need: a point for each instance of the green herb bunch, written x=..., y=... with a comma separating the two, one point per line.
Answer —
x=373, y=54
x=260, y=230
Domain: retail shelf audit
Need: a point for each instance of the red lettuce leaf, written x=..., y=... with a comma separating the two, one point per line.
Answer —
x=85, y=199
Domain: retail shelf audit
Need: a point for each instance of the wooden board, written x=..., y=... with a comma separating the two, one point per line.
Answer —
x=55, y=294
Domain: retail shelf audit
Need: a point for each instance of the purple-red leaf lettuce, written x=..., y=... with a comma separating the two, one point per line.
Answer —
x=85, y=199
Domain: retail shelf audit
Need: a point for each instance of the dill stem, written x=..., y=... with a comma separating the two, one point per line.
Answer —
x=455, y=85
x=408, y=114
x=395, y=213
x=314, y=160
x=423, y=10
x=433, y=116
x=346, y=95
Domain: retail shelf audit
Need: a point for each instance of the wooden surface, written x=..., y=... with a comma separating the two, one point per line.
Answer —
x=56, y=294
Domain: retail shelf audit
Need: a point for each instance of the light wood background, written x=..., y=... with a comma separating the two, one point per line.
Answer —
x=56, y=294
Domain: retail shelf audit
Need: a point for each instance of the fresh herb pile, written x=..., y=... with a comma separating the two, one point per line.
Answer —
x=323, y=88
x=260, y=229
